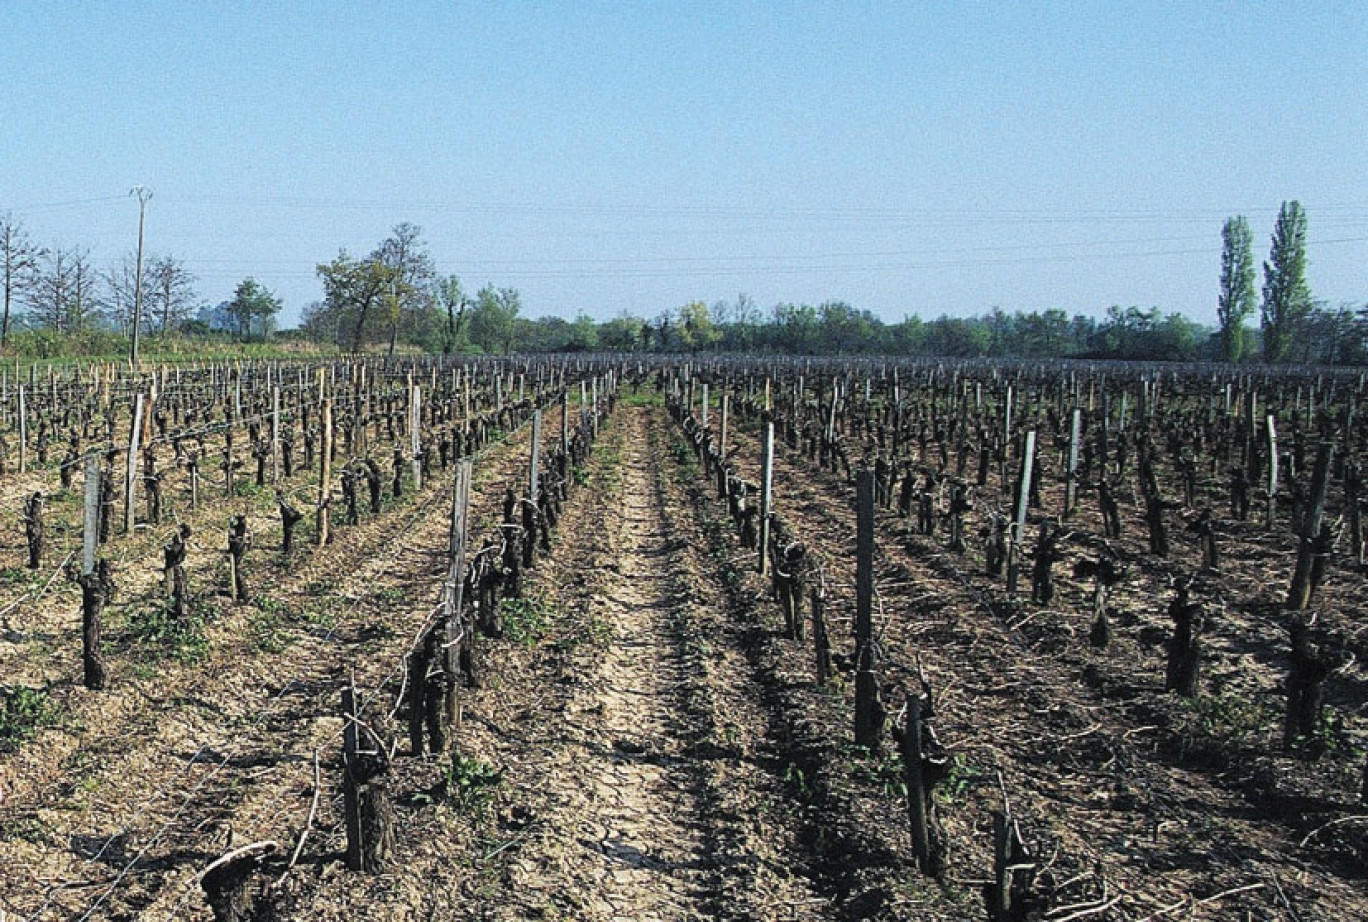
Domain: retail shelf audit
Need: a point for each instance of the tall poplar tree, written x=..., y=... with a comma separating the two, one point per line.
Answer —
x=1236, y=301
x=1286, y=297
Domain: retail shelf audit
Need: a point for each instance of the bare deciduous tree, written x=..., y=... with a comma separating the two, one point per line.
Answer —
x=19, y=263
x=171, y=291
x=62, y=296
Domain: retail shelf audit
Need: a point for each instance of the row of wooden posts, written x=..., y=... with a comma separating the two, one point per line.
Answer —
x=444, y=654
x=435, y=668
x=1309, y=649
x=925, y=761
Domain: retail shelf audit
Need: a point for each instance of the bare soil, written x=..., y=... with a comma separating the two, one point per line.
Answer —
x=646, y=743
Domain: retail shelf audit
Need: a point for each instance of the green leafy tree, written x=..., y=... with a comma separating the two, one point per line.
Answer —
x=19, y=265
x=962, y=337
x=411, y=276
x=1286, y=297
x=1236, y=300
x=622, y=333
x=1043, y=334
x=545, y=334
x=696, y=330
x=664, y=333
x=353, y=293
x=746, y=322
x=492, y=318
x=796, y=329
x=1330, y=336
x=253, y=308
x=843, y=329
x=584, y=334
x=909, y=336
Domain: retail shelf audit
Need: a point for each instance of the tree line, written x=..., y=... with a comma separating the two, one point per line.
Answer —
x=58, y=302
x=394, y=297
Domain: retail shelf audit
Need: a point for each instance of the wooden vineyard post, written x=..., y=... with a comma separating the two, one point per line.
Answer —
x=325, y=474
x=453, y=597
x=1299, y=595
x=90, y=516
x=821, y=641
x=96, y=586
x=130, y=479
x=192, y=467
x=351, y=794
x=565, y=422
x=1019, y=522
x=1000, y=896
x=766, y=493
x=1272, y=471
x=1104, y=434
x=415, y=435
x=532, y=461
x=703, y=415
x=1007, y=423
x=831, y=416
x=722, y=432
x=23, y=432
x=869, y=714
x=916, y=794
x=361, y=407
x=1071, y=485
x=275, y=434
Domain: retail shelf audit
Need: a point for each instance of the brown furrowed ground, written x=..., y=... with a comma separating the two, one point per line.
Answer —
x=1116, y=780
x=645, y=742
x=113, y=812
x=619, y=757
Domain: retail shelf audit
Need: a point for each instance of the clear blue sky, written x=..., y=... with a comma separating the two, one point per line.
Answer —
x=909, y=158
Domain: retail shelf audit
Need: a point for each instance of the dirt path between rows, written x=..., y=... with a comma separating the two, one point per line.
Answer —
x=640, y=801
x=619, y=758
x=652, y=780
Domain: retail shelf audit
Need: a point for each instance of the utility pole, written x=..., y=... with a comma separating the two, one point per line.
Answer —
x=144, y=195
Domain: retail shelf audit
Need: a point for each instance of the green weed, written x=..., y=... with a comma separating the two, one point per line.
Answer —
x=266, y=627
x=10, y=576
x=25, y=710
x=525, y=620
x=797, y=781
x=642, y=398
x=322, y=616
x=158, y=634
x=392, y=595
x=963, y=778
x=470, y=783
x=595, y=632
x=247, y=487
x=884, y=772
x=1208, y=724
